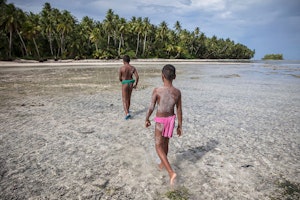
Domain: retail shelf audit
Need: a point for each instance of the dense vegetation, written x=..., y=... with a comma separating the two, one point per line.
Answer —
x=273, y=57
x=57, y=34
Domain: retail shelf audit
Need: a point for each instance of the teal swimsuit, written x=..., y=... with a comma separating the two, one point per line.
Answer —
x=128, y=81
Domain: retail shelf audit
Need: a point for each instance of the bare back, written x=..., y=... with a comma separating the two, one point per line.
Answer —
x=166, y=98
x=126, y=72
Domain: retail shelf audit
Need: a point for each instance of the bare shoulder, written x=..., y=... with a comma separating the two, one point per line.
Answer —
x=133, y=68
x=155, y=94
x=177, y=91
x=155, y=90
x=122, y=68
x=159, y=89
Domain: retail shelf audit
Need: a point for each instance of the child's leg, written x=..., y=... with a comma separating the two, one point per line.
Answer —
x=166, y=146
x=130, y=88
x=166, y=150
x=125, y=97
x=160, y=143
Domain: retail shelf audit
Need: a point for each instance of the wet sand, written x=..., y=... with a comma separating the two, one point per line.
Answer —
x=63, y=133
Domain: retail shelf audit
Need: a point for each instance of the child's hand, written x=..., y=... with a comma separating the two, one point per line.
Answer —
x=147, y=123
x=179, y=131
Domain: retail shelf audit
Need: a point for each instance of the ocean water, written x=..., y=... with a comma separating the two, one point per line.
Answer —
x=257, y=70
x=240, y=85
x=237, y=114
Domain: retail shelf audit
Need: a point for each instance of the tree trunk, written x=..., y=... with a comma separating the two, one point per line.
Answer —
x=10, y=43
x=50, y=43
x=62, y=44
x=96, y=47
x=120, y=44
x=37, y=49
x=57, y=53
x=137, y=44
x=115, y=38
x=23, y=43
x=144, y=47
x=108, y=39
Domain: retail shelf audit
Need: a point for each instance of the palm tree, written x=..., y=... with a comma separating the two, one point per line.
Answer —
x=10, y=21
x=121, y=28
x=138, y=28
x=177, y=27
x=162, y=30
x=85, y=29
x=78, y=43
x=172, y=44
x=32, y=29
x=170, y=49
x=212, y=47
x=108, y=25
x=55, y=18
x=197, y=31
x=194, y=41
x=21, y=20
x=180, y=50
x=47, y=24
x=200, y=46
x=145, y=28
x=160, y=42
x=95, y=37
x=184, y=43
x=65, y=25
x=2, y=3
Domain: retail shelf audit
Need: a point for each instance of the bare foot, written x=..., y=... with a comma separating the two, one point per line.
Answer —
x=172, y=178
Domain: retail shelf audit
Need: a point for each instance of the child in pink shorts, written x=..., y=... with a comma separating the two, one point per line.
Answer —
x=167, y=98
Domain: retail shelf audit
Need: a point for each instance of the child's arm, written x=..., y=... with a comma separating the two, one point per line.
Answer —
x=179, y=116
x=136, y=74
x=151, y=108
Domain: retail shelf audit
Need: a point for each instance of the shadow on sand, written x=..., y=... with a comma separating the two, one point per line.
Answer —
x=142, y=111
x=191, y=155
x=196, y=153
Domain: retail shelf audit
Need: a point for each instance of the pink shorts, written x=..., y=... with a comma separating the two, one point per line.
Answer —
x=168, y=125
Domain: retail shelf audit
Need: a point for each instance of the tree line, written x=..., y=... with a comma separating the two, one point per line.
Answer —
x=57, y=34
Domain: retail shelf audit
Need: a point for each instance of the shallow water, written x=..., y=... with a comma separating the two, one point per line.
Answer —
x=239, y=115
x=241, y=126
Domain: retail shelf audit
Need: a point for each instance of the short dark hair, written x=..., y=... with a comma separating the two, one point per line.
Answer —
x=126, y=58
x=169, y=72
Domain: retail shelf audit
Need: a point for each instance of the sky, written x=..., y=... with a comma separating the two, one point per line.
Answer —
x=268, y=26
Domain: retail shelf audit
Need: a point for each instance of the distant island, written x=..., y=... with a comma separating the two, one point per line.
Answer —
x=273, y=57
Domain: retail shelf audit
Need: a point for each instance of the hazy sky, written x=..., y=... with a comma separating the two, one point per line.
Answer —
x=268, y=26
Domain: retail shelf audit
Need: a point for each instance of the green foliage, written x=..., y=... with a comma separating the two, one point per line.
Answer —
x=57, y=34
x=287, y=190
x=290, y=188
x=181, y=193
x=273, y=57
x=131, y=53
x=103, y=54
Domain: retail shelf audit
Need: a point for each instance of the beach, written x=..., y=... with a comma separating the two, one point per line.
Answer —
x=63, y=133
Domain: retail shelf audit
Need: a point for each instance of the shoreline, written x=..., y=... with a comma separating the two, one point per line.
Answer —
x=20, y=63
x=91, y=62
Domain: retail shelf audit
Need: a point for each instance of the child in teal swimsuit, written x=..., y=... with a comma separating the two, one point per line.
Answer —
x=126, y=73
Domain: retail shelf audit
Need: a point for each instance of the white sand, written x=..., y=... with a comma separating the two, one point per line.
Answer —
x=241, y=133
